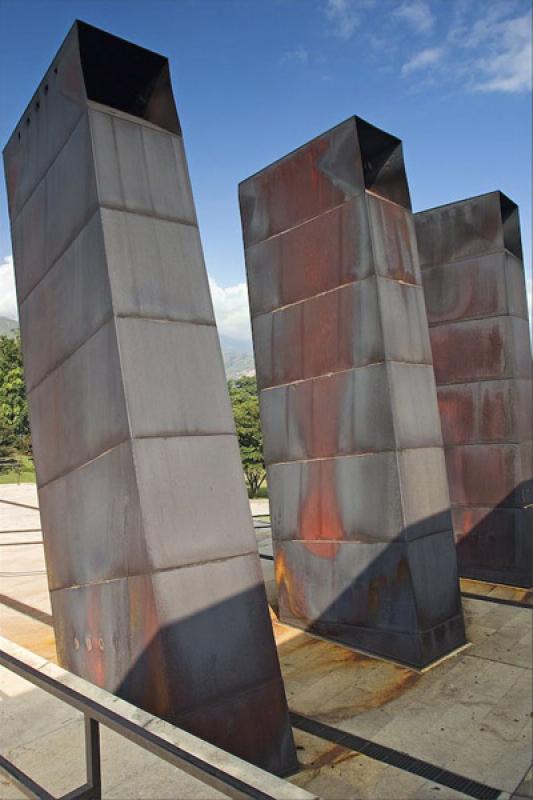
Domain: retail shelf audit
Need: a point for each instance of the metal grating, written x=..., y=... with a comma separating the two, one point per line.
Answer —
x=395, y=758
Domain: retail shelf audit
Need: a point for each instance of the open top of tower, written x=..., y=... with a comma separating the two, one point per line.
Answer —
x=382, y=162
x=512, y=240
x=468, y=228
x=321, y=175
x=126, y=77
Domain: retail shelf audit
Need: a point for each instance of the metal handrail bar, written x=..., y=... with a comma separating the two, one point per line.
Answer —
x=97, y=713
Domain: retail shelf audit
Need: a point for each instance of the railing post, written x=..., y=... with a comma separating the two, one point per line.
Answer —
x=92, y=757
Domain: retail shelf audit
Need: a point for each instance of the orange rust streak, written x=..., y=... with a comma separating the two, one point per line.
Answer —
x=364, y=682
x=94, y=656
x=320, y=523
x=145, y=631
x=334, y=755
x=287, y=584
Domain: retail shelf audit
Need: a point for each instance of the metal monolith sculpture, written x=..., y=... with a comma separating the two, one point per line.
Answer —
x=363, y=542
x=471, y=259
x=155, y=582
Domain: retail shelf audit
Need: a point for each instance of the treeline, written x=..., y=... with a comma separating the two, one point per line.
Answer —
x=14, y=424
x=15, y=440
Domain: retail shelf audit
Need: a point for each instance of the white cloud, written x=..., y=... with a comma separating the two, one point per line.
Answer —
x=425, y=58
x=487, y=47
x=8, y=296
x=231, y=310
x=342, y=15
x=299, y=54
x=508, y=63
x=417, y=14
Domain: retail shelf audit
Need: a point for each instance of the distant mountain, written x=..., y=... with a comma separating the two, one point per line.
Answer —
x=237, y=363
x=8, y=327
x=238, y=358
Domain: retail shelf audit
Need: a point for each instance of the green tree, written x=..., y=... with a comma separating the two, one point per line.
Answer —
x=245, y=403
x=14, y=422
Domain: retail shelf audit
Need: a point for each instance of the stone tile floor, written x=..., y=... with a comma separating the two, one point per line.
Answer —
x=471, y=714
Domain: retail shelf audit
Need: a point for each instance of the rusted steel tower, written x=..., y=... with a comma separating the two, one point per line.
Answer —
x=363, y=542
x=471, y=259
x=156, y=587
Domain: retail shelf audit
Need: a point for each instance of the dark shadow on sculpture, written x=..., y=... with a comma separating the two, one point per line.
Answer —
x=393, y=602
x=497, y=545
x=194, y=673
x=385, y=605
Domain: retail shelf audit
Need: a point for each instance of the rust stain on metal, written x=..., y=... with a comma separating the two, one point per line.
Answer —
x=294, y=188
x=470, y=251
x=481, y=347
x=288, y=586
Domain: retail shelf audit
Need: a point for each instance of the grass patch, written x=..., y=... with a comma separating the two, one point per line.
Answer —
x=25, y=473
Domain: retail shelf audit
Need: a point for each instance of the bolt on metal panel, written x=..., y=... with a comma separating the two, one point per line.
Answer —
x=360, y=510
x=155, y=582
x=474, y=284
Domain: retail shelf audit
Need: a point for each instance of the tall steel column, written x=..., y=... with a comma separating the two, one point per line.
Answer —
x=363, y=542
x=471, y=258
x=156, y=587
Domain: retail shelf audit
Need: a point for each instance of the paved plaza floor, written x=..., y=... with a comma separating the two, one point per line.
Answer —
x=364, y=727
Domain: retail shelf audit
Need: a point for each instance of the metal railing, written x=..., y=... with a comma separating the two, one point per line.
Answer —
x=98, y=713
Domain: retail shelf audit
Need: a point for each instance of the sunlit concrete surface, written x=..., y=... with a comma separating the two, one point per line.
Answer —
x=44, y=738
x=470, y=714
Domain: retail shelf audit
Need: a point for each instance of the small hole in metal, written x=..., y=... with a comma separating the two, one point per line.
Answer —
x=37, y=106
x=55, y=70
x=46, y=88
x=27, y=120
x=19, y=134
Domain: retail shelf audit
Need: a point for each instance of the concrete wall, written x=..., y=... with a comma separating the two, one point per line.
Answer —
x=155, y=582
x=361, y=523
x=471, y=259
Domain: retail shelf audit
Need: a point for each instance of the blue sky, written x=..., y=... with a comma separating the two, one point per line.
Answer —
x=255, y=78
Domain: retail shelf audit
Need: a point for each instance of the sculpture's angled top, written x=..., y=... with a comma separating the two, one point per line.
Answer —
x=92, y=68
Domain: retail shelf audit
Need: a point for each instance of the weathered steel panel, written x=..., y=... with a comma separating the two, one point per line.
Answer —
x=100, y=536
x=468, y=228
x=413, y=403
x=72, y=291
x=43, y=129
x=164, y=275
x=313, y=179
x=363, y=491
x=474, y=286
x=181, y=360
x=492, y=347
x=486, y=411
x=380, y=592
x=140, y=168
x=156, y=586
x=79, y=410
x=425, y=497
x=393, y=241
x=326, y=251
x=466, y=289
x=492, y=542
x=356, y=471
x=485, y=474
x=183, y=524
